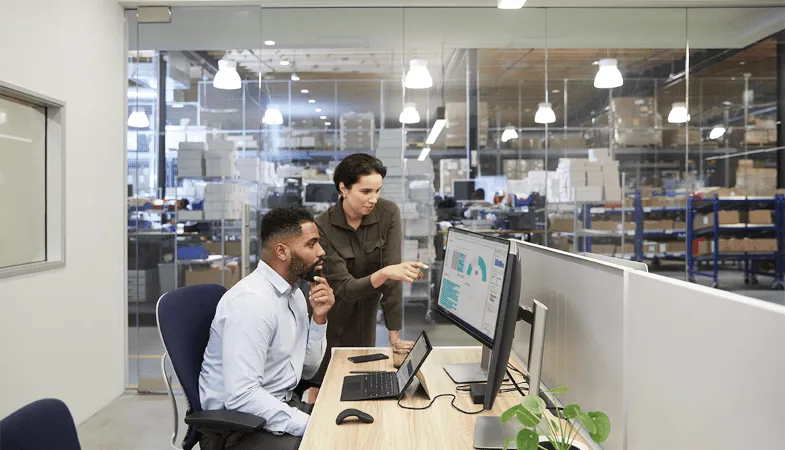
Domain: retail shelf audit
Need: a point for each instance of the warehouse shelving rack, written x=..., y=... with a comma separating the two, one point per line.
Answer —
x=749, y=260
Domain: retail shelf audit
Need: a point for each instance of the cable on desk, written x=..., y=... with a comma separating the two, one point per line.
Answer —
x=452, y=403
x=515, y=383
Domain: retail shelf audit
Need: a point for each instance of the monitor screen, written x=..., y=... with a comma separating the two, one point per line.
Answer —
x=463, y=189
x=472, y=283
x=320, y=193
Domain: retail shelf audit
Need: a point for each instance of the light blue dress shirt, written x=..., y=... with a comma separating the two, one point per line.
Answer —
x=261, y=345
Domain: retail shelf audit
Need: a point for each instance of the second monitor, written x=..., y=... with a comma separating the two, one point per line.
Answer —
x=474, y=295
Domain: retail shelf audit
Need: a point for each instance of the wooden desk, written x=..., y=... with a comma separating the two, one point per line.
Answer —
x=440, y=426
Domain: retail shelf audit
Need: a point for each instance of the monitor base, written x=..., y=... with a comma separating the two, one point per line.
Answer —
x=490, y=432
x=466, y=373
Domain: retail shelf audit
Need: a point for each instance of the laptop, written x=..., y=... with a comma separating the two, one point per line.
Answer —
x=382, y=385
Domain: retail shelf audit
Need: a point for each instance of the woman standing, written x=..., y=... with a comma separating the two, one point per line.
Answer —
x=362, y=235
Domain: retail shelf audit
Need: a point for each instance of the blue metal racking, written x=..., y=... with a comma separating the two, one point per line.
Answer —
x=750, y=260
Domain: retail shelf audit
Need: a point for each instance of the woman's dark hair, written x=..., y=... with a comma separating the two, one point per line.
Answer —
x=355, y=166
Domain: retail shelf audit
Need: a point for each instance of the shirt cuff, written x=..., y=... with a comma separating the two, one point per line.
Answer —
x=298, y=423
x=316, y=331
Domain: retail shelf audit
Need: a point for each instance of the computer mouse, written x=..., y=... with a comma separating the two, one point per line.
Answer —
x=351, y=412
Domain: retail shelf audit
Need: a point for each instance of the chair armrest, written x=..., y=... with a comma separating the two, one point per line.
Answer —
x=222, y=420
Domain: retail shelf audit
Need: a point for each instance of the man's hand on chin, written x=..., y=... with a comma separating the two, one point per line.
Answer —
x=322, y=299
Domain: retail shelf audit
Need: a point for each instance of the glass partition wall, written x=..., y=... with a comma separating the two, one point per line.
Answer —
x=646, y=134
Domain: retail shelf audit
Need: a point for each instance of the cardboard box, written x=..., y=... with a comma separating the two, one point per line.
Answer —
x=746, y=163
x=628, y=249
x=212, y=275
x=763, y=245
x=729, y=217
x=759, y=216
x=563, y=223
x=678, y=138
x=233, y=248
x=602, y=249
x=679, y=226
x=676, y=247
x=705, y=246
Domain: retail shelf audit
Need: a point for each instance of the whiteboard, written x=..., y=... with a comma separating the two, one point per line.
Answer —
x=22, y=182
x=704, y=368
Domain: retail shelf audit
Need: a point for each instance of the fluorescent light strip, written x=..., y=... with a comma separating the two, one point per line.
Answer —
x=16, y=138
x=424, y=153
x=751, y=152
x=438, y=126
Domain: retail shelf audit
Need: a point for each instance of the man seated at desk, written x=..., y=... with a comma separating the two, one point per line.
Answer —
x=261, y=341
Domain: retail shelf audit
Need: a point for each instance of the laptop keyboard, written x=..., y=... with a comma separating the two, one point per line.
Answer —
x=379, y=385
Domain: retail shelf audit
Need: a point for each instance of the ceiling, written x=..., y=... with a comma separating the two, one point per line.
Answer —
x=458, y=3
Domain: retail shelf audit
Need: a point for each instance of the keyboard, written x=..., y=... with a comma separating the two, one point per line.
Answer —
x=379, y=385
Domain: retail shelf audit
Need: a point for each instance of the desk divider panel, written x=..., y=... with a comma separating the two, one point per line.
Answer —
x=703, y=369
x=584, y=334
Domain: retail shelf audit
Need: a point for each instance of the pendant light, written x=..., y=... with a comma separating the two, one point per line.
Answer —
x=418, y=76
x=679, y=113
x=545, y=114
x=295, y=77
x=138, y=119
x=608, y=76
x=424, y=153
x=227, y=77
x=510, y=4
x=717, y=132
x=409, y=115
x=509, y=133
x=272, y=116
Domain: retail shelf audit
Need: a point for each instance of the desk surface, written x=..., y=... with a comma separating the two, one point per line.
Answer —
x=440, y=426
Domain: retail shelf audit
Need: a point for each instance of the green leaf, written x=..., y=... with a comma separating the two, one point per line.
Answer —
x=556, y=426
x=527, y=418
x=527, y=440
x=603, y=427
x=506, y=442
x=571, y=411
x=588, y=422
x=535, y=405
x=558, y=390
x=510, y=413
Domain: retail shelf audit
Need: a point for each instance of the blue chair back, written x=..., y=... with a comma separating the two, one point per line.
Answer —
x=184, y=319
x=42, y=425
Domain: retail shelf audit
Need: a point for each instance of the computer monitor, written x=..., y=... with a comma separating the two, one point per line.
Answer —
x=319, y=192
x=474, y=295
x=463, y=189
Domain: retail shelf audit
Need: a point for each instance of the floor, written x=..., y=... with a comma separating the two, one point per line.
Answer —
x=144, y=422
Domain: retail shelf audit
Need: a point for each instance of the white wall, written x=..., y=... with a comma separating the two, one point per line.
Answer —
x=62, y=333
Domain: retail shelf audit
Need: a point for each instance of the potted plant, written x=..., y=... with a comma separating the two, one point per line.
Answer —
x=536, y=436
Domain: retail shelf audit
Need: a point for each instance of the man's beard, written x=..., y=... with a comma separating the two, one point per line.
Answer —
x=298, y=268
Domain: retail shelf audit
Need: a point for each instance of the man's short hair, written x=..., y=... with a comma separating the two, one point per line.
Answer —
x=280, y=222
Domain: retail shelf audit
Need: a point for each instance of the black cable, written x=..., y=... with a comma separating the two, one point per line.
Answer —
x=515, y=383
x=452, y=403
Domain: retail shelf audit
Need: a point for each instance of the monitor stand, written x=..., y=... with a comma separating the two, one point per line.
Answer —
x=490, y=432
x=471, y=372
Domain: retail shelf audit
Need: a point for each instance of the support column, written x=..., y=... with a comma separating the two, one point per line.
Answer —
x=161, y=125
x=780, y=37
x=472, y=98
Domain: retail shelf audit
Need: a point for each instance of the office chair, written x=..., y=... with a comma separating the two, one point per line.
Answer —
x=42, y=425
x=184, y=319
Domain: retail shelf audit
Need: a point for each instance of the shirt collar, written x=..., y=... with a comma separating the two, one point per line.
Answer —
x=338, y=217
x=279, y=283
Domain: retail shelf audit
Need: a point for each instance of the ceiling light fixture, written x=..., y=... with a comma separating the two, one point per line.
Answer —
x=285, y=62
x=511, y=4
x=679, y=113
x=608, y=76
x=510, y=133
x=138, y=119
x=409, y=115
x=545, y=114
x=323, y=117
x=304, y=91
x=272, y=116
x=295, y=77
x=312, y=101
x=269, y=43
x=227, y=77
x=717, y=132
x=424, y=153
x=328, y=123
x=418, y=76
x=438, y=126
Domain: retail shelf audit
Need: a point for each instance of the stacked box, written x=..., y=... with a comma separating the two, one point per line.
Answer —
x=249, y=169
x=221, y=159
x=634, y=121
x=450, y=170
x=224, y=201
x=756, y=181
x=143, y=286
x=410, y=250
x=190, y=159
x=678, y=138
x=456, y=119
x=357, y=131
x=562, y=223
x=390, y=152
x=571, y=175
x=518, y=170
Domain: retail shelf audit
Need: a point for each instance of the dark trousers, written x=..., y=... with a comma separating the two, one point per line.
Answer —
x=262, y=440
x=359, y=330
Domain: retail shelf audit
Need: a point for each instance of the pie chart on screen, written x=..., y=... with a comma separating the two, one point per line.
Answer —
x=477, y=269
